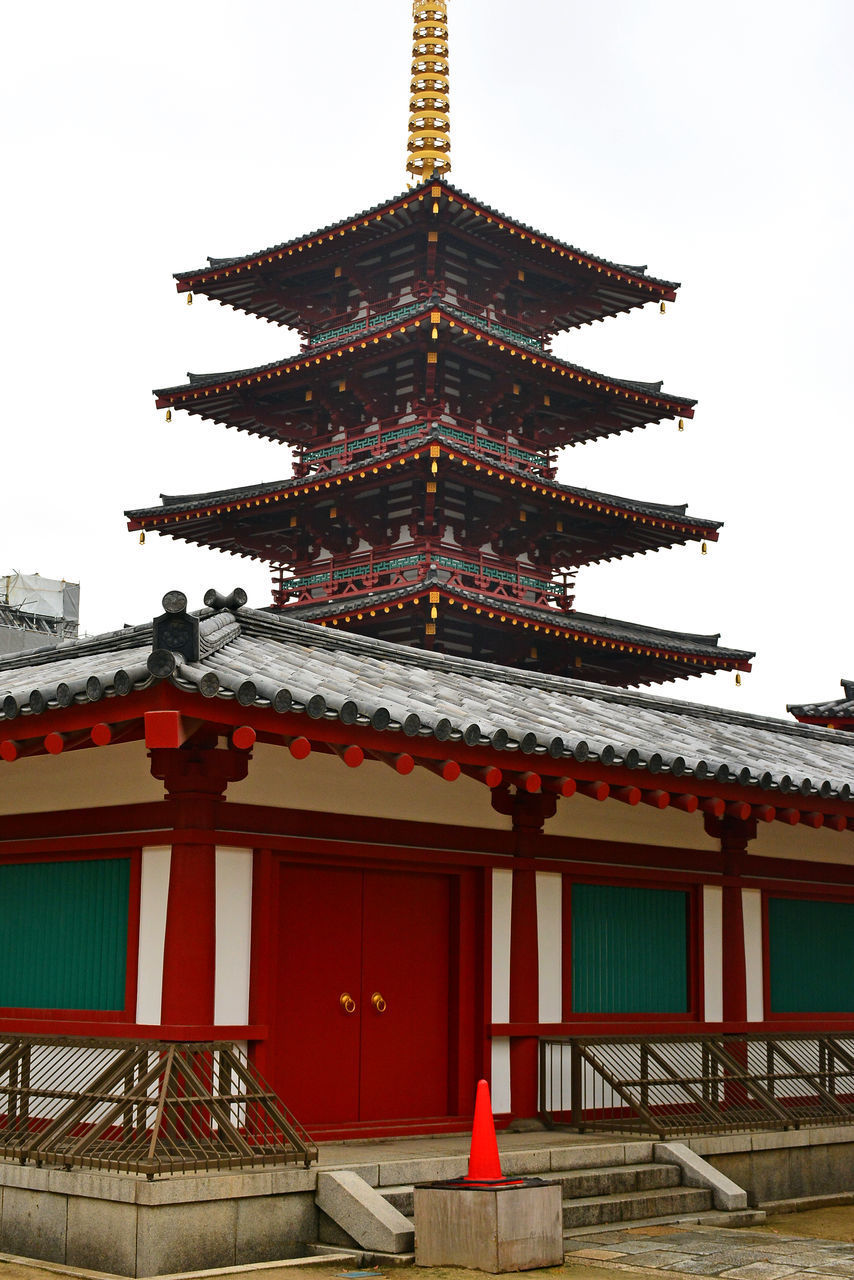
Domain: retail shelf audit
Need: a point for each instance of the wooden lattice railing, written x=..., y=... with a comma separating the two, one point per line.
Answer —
x=667, y=1085
x=141, y=1107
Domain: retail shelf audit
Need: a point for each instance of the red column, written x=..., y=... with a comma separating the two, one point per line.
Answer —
x=529, y=812
x=734, y=970
x=524, y=992
x=196, y=780
x=189, y=952
x=733, y=836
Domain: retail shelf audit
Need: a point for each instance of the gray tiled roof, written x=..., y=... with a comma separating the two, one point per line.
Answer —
x=198, y=381
x=589, y=623
x=181, y=502
x=259, y=658
x=842, y=708
x=214, y=263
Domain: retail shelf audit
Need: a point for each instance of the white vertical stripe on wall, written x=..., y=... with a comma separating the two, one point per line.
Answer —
x=550, y=944
x=499, y=1093
x=713, y=971
x=153, y=899
x=751, y=906
x=233, y=935
x=502, y=897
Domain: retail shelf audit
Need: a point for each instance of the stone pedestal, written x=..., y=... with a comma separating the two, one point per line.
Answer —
x=495, y=1229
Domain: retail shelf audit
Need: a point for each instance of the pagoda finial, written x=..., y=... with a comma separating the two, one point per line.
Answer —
x=429, y=147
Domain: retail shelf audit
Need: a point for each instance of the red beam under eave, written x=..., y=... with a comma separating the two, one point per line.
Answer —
x=186, y=710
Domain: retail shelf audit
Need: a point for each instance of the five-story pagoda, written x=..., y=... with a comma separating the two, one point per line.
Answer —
x=426, y=413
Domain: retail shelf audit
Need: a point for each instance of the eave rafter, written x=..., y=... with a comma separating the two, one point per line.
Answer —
x=577, y=775
x=231, y=398
x=612, y=526
x=433, y=204
x=648, y=660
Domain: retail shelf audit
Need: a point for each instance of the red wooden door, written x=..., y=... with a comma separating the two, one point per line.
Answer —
x=316, y=1042
x=383, y=939
x=405, y=984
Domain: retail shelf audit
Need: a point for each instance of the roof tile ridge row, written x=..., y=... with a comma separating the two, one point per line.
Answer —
x=121, y=638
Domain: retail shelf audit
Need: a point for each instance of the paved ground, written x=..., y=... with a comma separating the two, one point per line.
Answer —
x=772, y=1253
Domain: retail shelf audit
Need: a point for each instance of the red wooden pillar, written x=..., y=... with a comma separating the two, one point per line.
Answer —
x=529, y=812
x=734, y=969
x=196, y=780
x=524, y=992
x=733, y=836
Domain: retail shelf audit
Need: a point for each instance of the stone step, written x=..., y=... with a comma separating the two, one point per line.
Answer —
x=402, y=1198
x=707, y=1218
x=589, y=1211
x=615, y=1179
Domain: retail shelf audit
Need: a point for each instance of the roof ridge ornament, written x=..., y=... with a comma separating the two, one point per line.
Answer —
x=236, y=600
x=429, y=145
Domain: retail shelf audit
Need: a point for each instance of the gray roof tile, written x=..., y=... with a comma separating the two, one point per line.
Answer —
x=254, y=655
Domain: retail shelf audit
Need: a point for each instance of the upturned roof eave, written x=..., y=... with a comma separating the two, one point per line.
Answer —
x=181, y=504
x=199, y=384
x=186, y=278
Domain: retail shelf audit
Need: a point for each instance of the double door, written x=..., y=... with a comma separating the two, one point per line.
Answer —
x=365, y=994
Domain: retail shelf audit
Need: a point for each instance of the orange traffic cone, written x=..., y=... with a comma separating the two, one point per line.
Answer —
x=484, y=1164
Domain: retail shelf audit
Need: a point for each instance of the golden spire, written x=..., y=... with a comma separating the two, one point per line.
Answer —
x=429, y=147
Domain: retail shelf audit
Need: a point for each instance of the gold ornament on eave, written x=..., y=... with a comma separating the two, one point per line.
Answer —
x=429, y=146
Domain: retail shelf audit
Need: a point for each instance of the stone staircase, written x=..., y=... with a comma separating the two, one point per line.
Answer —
x=623, y=1184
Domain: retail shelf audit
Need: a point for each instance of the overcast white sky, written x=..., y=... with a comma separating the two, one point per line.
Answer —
x=712, y=142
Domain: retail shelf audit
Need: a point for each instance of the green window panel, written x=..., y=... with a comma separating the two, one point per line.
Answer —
x=811, y=956
x=64, y=934
x=629, y=950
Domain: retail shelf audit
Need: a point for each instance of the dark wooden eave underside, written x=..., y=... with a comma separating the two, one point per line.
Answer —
x=259, y=282
x=271, y=400
x=610, y=651
x=256, y=520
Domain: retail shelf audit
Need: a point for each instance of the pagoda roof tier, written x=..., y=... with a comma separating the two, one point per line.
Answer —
x=373, y=500
x=470, y=625
x=302, y=282
x=835, y=714
x=306, y=398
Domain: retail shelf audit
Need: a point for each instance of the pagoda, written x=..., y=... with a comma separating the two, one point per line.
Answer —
x=426, y=413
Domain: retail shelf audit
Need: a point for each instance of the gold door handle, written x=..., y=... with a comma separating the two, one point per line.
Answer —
x=347, y=1003
x=378, y=1002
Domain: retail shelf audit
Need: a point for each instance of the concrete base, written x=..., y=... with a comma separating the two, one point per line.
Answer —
x=783, y=1165
x=131, y=1227
x=495, y=1230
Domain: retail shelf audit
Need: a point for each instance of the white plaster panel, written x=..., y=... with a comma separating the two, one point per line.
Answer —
x=777, y=840
x=79, y=780
x=499, y=1092
x=751, y=907
x=233, y=935
x=713, y=972
x=623, y=824
x=550, y=945
x=325, y=783
x=153, y=900
x=502, y=899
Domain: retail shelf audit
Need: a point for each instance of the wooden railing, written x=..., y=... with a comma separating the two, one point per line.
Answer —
x=675, y=1084
x=143, y=1107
